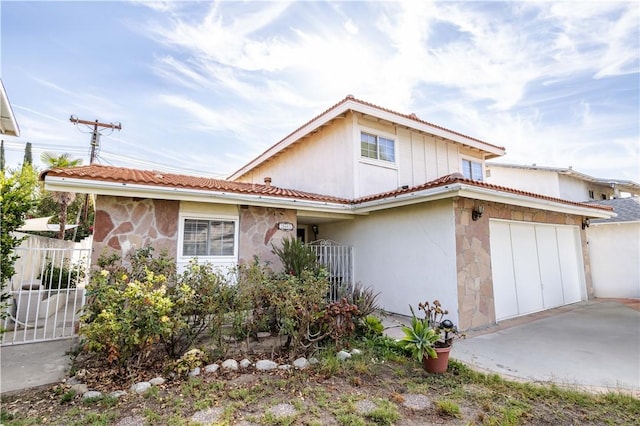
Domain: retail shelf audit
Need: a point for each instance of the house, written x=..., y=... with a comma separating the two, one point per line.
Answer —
x=559, y=182
x=614, y=247
x=8, y=123
x=408, y=196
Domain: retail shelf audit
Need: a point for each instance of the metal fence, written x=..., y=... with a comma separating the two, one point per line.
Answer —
x=338, y=260
x=46, y=294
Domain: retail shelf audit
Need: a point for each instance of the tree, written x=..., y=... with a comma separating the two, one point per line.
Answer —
x=16, y=198
x=2, y=159
x=28, y=157
x=63, y=199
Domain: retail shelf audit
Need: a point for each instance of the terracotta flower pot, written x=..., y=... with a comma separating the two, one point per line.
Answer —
x=437, y=365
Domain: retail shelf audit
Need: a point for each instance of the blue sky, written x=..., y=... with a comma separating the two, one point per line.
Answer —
x=204, y=87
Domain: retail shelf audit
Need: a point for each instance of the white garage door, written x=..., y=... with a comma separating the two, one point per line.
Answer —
x=535, y=267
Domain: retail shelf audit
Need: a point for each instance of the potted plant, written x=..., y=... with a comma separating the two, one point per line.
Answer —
x=419, y=338
x=446, y=330
x=429, y=339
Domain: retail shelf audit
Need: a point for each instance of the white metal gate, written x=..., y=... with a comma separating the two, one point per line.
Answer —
x=338, y=260
x=47, y=293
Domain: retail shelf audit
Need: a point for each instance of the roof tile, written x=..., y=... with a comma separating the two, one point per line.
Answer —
x=155, y=178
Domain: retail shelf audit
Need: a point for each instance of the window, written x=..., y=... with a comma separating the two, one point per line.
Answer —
x=377, y=147
x=203, y=237
x=472, y=170
x=591, y=195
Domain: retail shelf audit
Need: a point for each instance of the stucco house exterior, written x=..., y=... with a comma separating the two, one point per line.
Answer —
x=559, y=182
x=409, y=196
x=614, y=247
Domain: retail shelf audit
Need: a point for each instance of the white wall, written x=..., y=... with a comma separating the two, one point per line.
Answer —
x=536, y=181
x=321, y=163
x=329, y=162
x=614, y=250
x=407, y=254
x=574, y=189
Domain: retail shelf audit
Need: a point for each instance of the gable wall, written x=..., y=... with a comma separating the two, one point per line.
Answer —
x=329, y=161
x=321, y=163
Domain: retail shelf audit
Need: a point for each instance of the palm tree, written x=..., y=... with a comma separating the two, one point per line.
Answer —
x=63, y=199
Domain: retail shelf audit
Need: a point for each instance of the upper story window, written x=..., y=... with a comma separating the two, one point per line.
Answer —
x=472, y=169
x=377, y=147
x=208, y=237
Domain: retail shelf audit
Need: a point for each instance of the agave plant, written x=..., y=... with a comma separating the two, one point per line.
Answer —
x=419, y=339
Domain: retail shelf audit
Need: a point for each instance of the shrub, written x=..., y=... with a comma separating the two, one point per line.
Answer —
x=296, y=257
x=63, y=276
x=202, y=300
x=127, y=318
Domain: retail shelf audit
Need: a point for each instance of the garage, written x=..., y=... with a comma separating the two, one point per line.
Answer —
x=535, y=266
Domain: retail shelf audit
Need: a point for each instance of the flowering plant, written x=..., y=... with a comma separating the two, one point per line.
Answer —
x=435, y=317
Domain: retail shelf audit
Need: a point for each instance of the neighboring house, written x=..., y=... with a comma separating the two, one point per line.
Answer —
x=8, y=123
x=563, y=183
x=614, y=247
x=407, y=195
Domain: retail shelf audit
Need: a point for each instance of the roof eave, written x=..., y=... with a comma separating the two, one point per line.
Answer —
x=479, y=193
x=8, y=123
x=99, y=187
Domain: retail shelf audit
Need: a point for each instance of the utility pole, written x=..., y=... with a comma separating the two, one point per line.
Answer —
x=95, y=144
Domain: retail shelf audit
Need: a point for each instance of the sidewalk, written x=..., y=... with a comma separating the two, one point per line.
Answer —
x=34, y=364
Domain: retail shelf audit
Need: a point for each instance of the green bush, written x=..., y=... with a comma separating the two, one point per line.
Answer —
x=127, y=318
x=63, y=276
x=296, y=257
x=202, y=301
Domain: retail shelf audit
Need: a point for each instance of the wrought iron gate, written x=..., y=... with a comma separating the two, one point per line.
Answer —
x=338, y=260
x=46, y=294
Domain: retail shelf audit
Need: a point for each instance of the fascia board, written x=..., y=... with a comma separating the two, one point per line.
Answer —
x=484, y=194
x=493, y=195
x=181, y=194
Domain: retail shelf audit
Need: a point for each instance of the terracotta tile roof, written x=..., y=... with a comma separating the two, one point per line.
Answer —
x=114, y=174
x=459, y=178
x=155, y=178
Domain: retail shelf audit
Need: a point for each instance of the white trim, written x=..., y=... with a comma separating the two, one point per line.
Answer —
x=473, y=160
x=208, y=217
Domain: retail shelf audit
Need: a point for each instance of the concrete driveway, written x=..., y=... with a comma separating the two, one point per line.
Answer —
x=593, y=345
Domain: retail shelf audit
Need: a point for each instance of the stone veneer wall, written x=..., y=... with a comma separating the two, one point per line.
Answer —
x=123, y=223
x=475, y=280
x=259, y=230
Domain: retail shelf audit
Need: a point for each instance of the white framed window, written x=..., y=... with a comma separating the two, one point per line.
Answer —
x=472, y=169
x=208, y=237
x=377, y=147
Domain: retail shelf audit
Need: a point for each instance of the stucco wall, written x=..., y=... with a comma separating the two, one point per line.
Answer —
x=615, y=252
x=124, y=223
x=536, y=181
x=259, y=231
x=407, y=254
